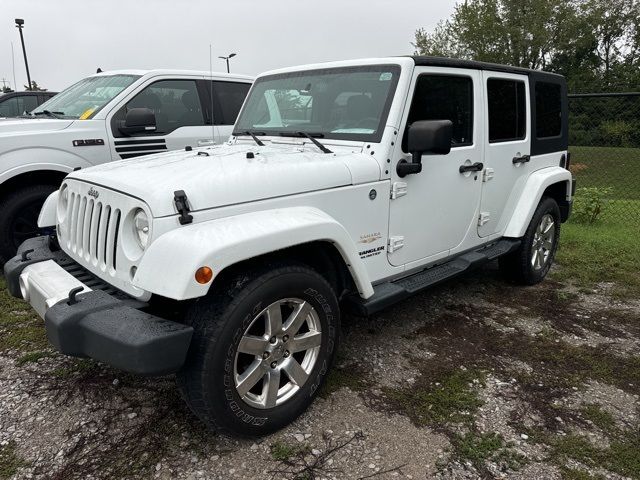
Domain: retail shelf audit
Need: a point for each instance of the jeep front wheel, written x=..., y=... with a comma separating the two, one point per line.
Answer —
x=262, y=346
x=531, y=262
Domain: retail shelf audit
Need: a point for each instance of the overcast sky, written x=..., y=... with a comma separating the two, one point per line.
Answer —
x=67, y=40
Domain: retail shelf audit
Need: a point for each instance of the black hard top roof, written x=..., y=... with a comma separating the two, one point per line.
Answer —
x=425, y=61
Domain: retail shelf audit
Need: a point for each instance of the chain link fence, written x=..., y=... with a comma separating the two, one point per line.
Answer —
x=604, y=141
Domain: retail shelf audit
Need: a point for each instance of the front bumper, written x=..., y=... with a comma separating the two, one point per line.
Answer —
x=104, y=325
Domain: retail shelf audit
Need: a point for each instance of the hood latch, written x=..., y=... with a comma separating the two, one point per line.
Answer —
x=182, y=205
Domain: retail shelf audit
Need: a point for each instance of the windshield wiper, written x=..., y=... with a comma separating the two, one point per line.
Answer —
x=310, y=137
x=48, y=113
x=252, y=135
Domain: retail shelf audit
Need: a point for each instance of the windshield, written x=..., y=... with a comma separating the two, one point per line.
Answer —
x=349, y=103
x=87, y=97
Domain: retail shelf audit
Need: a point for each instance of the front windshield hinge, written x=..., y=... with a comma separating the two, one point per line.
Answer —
x=182, y=205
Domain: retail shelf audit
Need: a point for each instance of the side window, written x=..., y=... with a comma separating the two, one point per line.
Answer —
x=444, y=97
x=176, y=104
x=9, y=108
x=507, y=110
x=228, y=99
x=30, y=102
x=548, y=110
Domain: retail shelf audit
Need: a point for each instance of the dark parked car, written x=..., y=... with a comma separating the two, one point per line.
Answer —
x=14, y=104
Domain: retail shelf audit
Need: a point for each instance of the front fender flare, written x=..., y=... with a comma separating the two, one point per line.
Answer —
x=536, y=184
x=169, y=265
x=47, y=216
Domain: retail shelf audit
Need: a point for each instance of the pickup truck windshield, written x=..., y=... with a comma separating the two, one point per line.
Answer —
x=87, y=97
x=346, y=103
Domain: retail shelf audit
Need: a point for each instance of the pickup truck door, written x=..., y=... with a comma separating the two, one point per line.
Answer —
x=507, y=148
x=433, y=211
x=182, y=119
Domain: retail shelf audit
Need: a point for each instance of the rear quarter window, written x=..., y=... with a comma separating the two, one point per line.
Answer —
x=548, y=109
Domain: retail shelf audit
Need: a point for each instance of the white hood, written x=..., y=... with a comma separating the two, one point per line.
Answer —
x=227, y=177
x=10, y=126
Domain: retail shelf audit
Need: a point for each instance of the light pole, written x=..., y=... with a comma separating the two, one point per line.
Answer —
x=19, y=26
x=231, y=55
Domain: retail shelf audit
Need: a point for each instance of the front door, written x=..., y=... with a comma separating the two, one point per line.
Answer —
x=181, y=120
x=439, y=209
x=507, y=148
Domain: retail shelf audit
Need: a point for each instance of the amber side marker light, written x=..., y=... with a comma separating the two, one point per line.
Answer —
x=204, y=275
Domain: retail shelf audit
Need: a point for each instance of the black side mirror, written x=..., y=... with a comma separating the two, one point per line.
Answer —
x=138, y=120
x=426, y=136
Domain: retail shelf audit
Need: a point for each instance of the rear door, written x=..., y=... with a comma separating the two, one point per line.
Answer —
x=507, y=148
x=181, y=119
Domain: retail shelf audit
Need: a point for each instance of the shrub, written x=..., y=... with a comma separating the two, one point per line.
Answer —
x=589, y=203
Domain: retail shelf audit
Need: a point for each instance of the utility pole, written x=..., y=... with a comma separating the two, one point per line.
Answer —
x=19, y=26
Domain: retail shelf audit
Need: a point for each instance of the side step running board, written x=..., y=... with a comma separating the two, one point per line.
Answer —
x=388, y=293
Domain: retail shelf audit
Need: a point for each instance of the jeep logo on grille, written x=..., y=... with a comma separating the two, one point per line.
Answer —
x=93, y=193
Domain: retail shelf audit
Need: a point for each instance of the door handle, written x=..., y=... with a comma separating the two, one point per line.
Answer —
x=205, y=142
x=474, y=167
x=522, y=159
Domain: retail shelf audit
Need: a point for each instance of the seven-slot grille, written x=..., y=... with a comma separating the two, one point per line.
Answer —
x=92, y=231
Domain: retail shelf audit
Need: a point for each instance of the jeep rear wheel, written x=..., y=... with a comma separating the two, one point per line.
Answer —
x=261, y=349
x=531, y=262
x=19, y=212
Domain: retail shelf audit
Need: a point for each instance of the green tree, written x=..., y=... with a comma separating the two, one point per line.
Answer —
x=594, y=43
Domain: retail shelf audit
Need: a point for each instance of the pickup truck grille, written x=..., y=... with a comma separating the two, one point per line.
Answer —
x=93, y=230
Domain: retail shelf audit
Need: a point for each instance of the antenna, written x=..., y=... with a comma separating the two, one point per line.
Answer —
x=213, y=128
x=13, y=62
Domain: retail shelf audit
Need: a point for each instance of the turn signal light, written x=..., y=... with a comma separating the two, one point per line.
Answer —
x=204, y=275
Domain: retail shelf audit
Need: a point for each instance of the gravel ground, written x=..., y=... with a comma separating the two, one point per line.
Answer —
x=474, y=379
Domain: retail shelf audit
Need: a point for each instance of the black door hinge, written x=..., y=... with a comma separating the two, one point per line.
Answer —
x=182, y=205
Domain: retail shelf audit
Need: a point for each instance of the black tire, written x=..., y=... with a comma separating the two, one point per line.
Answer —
x=221, y=318
x=19, y=212
x=518, y=265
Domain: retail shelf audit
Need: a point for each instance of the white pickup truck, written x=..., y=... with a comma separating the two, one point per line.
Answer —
x=347, y=185
x=98, y=120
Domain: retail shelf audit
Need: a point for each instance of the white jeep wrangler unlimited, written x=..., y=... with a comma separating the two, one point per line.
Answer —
x=99, y=119
x=349, y=184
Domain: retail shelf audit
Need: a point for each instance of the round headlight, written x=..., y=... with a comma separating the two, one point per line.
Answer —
x=141, y=228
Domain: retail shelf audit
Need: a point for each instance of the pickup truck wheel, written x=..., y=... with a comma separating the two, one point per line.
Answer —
x=261, y=349
x=19, y=212
x=531, y=262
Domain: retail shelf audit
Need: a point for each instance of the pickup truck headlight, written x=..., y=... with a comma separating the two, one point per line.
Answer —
x=141, y=228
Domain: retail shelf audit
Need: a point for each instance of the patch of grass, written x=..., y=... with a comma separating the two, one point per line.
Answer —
x=578, y=474
x=349, y=376
x=281, y=451
x=620, y=457
x=600, y=418
x=606, y=251
x=450, y=399
x=20, y=326
x=78, y=366
x=10, y=461
x=477, y=447
x=32, y=357
x=609, y=167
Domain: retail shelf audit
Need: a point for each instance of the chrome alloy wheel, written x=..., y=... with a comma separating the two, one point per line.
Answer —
x=277, y=353
x=543, y=239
